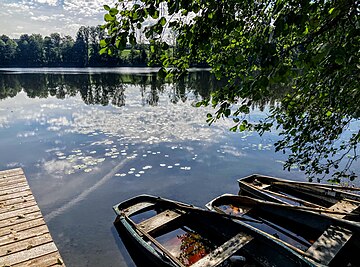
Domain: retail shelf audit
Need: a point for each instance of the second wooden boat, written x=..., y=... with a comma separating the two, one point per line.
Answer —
x=327, y=240
x=331, y=197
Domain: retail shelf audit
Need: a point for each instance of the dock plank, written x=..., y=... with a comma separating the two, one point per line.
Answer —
x=15, y=237
x=16, y=195
x=14, y=201
x=18, y=213
x=16, y=206
x=52, y=259
x=13, y=186
x=27, y=255
x=12, y=172
x=7, y=230
x=14, y=190
x=12, y=180
x=25, y=239
x=20, y=219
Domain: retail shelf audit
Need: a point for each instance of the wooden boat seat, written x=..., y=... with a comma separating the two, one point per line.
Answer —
x=137, y=207
x=158, y=220
x=329, y=244
x=343, y=206
x=224, y=252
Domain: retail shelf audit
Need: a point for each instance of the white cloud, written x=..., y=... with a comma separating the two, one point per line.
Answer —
x=41, y=18
x=48, y=2
x=64, y=17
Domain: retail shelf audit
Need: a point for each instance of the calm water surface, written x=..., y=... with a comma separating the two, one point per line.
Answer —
x=88, y=139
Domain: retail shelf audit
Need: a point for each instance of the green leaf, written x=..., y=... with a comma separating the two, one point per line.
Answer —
x=331, y=10
x=103, y=43
x=113, y=11
x=162, y=21
x=242, y=128
x=155, y=15
x=106, y=7
x=103, y=51
x=233, y=129
x=109, y=18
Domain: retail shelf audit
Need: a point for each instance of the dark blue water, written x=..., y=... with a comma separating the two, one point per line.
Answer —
x=88, y=140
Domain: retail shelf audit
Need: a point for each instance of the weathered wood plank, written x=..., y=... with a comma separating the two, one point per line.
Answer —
x=17, y=206
x=13, y=201
x=7, y=230
x=25, y=244
x=52, y=259
x=137, y=207
x=158, y=220
x=16, y=195
x=12, y=180
x=13, y=186
x=329, y=244
x=343, y=206
x=12, y=172
x=14, y=190
x=17, y=220
x=17, y=213
x=224, y=251
x=27, y=255
x=21, y=235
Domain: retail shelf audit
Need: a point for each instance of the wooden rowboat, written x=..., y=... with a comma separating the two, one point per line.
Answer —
x=170, y=233
x=326, y=240
x=334, y=198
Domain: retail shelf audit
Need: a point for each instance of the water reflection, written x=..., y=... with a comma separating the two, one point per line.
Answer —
x=106, y=88
x=88, y=140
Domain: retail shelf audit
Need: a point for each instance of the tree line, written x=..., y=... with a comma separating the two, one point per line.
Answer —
x=64, y=51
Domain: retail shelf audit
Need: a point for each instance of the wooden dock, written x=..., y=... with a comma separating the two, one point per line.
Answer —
x=24, y=237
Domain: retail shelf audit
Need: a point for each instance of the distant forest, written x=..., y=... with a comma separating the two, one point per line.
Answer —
x=63, y=51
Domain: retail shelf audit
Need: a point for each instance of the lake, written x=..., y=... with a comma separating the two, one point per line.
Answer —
x=90, y=138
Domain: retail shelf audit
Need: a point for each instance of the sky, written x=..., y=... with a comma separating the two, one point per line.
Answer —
x=47, y=16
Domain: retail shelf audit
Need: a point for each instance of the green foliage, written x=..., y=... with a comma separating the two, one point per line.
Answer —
x=307, y=49
x=56, y=51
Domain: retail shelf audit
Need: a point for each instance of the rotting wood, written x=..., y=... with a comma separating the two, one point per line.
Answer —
x=24, y=237
x=158, y=220
x=329, y=244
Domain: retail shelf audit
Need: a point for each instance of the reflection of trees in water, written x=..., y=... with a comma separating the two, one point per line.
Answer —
x=109, y=88
x=193, y=247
